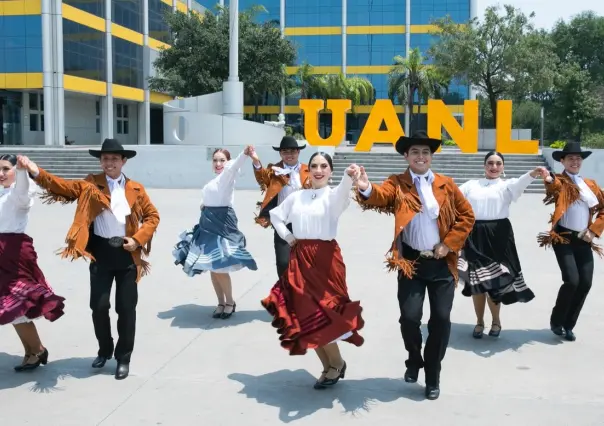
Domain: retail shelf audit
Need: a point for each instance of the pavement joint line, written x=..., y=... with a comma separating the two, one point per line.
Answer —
x=204, y=328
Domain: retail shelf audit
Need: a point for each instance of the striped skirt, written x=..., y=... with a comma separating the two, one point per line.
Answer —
x=215, y=244
x=25, y=294
x=309, y=304
x=489, y=264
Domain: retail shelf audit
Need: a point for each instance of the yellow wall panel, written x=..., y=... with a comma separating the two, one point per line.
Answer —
x=84, y=85
x=21, y=80
x=84, y=18
x=310, y=31
x=20, y=7
x=129, y=93
x=126, y=34
x=157, y=45
x=159, y=98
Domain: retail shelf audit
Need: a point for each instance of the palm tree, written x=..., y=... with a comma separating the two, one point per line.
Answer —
x=410, y=76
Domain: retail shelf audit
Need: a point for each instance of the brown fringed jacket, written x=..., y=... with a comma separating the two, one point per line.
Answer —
x=93, y=196
x=562, y=192
x=398, y=195
x=271, y=185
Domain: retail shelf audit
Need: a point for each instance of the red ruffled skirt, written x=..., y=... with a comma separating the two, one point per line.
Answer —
x=24, y=291
x=310, y=303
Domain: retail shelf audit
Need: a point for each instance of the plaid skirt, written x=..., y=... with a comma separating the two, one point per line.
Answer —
x=25, y=294
x=489, y=264
x=215, y=244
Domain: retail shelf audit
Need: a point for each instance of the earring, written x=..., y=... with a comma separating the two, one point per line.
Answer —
x=330, y=181
x=503, y=174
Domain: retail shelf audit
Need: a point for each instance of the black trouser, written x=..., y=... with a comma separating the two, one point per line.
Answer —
x=282, y=250
x=113, y=263
x=576, y=262
x=432, y=275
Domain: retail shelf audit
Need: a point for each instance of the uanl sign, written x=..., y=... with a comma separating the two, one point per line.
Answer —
x=439, y=117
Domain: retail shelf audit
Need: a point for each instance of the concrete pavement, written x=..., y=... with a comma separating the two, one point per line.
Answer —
x=188, y=369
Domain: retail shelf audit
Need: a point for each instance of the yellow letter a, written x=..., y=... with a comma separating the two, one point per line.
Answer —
x=383, y=110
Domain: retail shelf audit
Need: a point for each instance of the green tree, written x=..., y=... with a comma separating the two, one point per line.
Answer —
x=503, y=56
x=410, y=77
x=197, y=63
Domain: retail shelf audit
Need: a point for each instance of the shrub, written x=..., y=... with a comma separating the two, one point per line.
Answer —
x=594, y=140
x=449, y=142
x=558, y=145
x=299, y=137
x=289, y=130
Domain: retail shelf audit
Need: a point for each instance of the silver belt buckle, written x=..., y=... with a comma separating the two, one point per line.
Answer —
x=426, y=254
x=116, y=242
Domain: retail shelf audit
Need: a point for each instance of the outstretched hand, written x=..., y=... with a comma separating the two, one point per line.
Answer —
x=353, y=171
x=25, y=163
x=251, y=152
x=363, y=180
x=540, y=171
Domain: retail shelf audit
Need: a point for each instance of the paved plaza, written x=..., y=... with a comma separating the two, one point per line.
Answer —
x=189, y=369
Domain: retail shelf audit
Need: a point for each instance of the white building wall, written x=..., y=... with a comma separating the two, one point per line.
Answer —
x=80, y=119
x=35, y=137
x=119, y=126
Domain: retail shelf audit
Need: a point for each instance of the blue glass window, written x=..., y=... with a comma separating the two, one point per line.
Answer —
x=423, y=41
x=376, y=12
x=272, y=7
x=313, y=13
x=127, y=63
x=128, y=13
x=373, y=49
x=158, y=29
x=20, y=44
x=95, y=7
x=424, y=12
x=318, y=50
x=84, y=51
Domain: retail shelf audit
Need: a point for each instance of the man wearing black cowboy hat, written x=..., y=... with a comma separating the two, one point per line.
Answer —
x=113, y=226
x=577, y=201
x=278, y=181
x=432, y=222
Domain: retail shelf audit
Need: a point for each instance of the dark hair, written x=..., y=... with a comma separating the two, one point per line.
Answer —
x=322, y=154
x=10, y=158
x=226, y=153
x=490, y=153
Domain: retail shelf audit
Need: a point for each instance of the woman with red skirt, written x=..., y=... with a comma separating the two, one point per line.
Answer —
x=310, y=303
x=24, y=293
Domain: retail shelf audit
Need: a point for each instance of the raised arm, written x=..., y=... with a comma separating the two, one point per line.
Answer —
x=379, y=197
x=464, y=221
x=516, y=186
x=280, y=218
x=261, y=174
x=59, y=189
x=24, y=192
x=150, y=220
x=339, y=199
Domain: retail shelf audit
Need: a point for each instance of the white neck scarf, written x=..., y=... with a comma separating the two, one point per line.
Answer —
x=586, y=194
x=423, y=183
x=119, y=204
x=285, y=171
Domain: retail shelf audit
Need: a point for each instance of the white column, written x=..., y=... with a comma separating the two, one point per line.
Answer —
x=222, y=3
x=344, y=26
x=282, y=25
x=144, y=108
x=189, y=8
x=232, y=90
x=407, y=51
x=473, y=14
x=58, y=88
x=48, y=73
x=107, y=117
x=174, y=2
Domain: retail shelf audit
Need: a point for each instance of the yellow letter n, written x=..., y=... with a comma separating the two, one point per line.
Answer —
x=465, y=137
x=311, y=109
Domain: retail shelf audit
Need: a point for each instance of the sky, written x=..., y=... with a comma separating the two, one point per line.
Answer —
x=547, y=12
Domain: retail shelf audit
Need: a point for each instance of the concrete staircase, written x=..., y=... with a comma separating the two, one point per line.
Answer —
x=68, y=163
x=451, y=162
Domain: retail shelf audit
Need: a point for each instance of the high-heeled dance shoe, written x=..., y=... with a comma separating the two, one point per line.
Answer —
x=218, y=312
x=42, y=359
x=226, y=315
x=319, y=383
x=20, y=366
x=330, y=382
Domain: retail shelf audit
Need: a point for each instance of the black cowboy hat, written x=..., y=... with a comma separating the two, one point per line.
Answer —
x=570, y=148
x=112, y=146
x=418, y=138
x=288, y=142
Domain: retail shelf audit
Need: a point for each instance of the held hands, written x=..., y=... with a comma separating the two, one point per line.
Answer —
x=25, y=163
x=130, y=244
x=362, y=180
x=251, y=152
x=540, y=171
x=440, y=251
x=353, y=171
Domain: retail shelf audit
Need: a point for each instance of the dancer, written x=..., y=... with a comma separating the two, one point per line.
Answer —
x=310, y=302
x=489, y=262
x=432, y=221
x=215, y=244
x=279, y=181
x=25, y=295
x=113, y=226
x=576, y=201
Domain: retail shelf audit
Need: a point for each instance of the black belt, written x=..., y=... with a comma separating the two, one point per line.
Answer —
x=410, y=253
x=565, y=231
x=115, y=242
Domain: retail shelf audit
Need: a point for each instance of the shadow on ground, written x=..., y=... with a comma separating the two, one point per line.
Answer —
x=293, y=394
x=512, y=339
x=197, y=316
x=45, y=379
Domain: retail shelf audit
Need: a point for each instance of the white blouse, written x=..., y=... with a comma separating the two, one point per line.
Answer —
x=15, y=203
x=491, y=198
x=220, y=191
x=312, y=218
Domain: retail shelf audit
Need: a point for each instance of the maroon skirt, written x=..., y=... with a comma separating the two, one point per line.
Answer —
x=24, y=291
x=310, y=303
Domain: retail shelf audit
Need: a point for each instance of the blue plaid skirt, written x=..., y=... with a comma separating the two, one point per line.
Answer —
x=214, y=244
